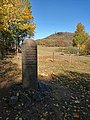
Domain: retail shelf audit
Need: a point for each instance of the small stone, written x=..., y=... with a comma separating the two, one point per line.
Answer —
x=51, y=113
x=63, y=107
x=75, y=115
x=68, y=109
x=88, y=106
x=77, y=101
x=72, y=97
x=22, y=104
x=16, y=118
x=11, y=116
x=7, y=118
x=4, y=98
x=43, y=87
x=26, y=116
x=28, y=104
x=65, y=103
x=16, y=86
x=56, y=105
x=87, y=100
x=45, y=105
x=17, y=94
x=13, y=100
x=43, y=119
x=25, y=100
x=37, y=97
x=84, y=113
x=75, y=106
x=45, y=114
x=19, y=105
x=20, y=118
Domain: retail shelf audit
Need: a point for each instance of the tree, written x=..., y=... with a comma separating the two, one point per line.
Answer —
x=16, y=21
x=80, y=36
x=86, y=47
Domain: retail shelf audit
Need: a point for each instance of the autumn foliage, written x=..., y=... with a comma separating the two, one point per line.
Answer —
x=16, y=21
x=80, y=38
x=14, y=12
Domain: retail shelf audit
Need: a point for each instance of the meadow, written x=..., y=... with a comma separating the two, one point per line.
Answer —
x=60, y=62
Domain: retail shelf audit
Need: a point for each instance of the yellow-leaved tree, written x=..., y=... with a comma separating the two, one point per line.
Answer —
x=16, y=22
x=80, y=37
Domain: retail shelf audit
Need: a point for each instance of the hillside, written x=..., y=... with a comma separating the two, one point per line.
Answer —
x=57, y=39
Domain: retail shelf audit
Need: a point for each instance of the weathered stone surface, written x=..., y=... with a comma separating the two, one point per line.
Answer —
x=26, y=100
x=17, y=87
x=37, y=97
x=13, y=100
x=26, y=116
x=42, y=86
x=29, y=64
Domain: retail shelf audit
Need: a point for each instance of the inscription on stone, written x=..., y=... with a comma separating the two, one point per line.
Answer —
x=29, y=64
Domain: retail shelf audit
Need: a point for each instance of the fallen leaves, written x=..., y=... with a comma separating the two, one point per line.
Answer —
x=78, y=105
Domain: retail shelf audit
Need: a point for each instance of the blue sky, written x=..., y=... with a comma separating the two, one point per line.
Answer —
x=59, y=16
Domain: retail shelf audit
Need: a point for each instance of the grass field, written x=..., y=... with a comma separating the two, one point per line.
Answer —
x=61, y=63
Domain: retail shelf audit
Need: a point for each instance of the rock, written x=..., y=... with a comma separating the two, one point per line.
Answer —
x=11, y=116
x=16, y=86
x=47, y=95
x=43, y=119
x=37, y=96
x=20, y=119
x=26, y=100
x=76, y=115
x=26, y=116
x=1, y=73
x=45, y=114
x=43, y=87
x=17, y=93
x=77, y=101
x=57, y=105
x=13, y=100
x=28, y=104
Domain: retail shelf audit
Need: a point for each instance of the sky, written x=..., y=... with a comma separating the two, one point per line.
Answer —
x=59, y=16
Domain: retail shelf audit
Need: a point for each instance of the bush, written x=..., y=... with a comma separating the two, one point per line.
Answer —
x=68, y=50
x=71, y=50
x=85, y=50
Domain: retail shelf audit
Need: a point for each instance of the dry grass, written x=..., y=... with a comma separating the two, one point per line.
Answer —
x=11, y=67
x=61, y=63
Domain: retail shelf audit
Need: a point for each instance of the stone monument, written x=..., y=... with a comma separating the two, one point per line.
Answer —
x=29, y=64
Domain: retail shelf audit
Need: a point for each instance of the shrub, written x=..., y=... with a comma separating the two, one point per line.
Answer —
x=85, y=49
x=71, y=50
x=68, y=50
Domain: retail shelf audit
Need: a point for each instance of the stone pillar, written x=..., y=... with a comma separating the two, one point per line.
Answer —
x=29, y=64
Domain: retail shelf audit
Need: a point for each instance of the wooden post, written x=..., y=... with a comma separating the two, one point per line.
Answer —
x=53, y=56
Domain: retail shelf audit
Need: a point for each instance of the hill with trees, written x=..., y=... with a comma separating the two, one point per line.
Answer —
x=57, y=39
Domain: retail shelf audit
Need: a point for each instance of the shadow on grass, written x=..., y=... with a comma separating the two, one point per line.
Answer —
x=73, y=80
x=9, y=74
x=70, y=96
